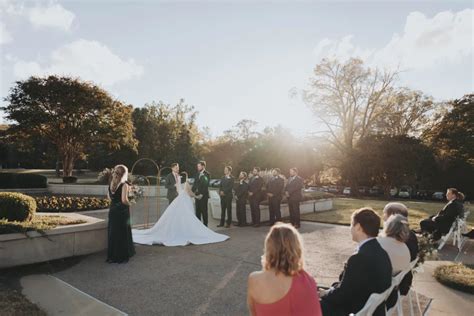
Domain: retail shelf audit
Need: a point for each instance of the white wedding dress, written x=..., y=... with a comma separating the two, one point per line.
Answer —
x=178, y=226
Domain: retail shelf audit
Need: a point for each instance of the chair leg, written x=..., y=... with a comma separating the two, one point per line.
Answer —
x=410, y=302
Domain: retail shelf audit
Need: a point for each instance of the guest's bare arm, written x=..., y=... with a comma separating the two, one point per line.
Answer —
x=125, y=189
x=250, y=300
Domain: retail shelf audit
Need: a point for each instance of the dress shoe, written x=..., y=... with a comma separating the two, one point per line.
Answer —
x=469, y=234
x=256, y=225
x=220, y=225
x=227, y=226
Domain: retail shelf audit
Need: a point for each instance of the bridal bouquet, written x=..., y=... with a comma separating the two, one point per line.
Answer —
x=135, y=193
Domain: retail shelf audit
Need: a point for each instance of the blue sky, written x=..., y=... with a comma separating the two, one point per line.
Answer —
x=235, y=59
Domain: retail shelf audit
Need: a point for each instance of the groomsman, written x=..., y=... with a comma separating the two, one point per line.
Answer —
x=255, y=196
x=274, y=192
x=241, y=194
x=294, y=195
x=225, y=191
x=171, y=180
x=201, y=190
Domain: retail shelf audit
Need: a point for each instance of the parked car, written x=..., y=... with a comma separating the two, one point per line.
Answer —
x=375, y=191
x=393, y=191
x=438, y=196
x=363, y=190
x=312, y=189
x=404, y=193
x=215, y=183
x=346, y=191
x=333, y=189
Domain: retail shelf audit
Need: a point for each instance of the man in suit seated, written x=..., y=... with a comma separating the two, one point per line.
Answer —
x=367, y=271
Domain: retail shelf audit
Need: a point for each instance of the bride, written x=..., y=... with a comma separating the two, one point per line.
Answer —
x=178, y=226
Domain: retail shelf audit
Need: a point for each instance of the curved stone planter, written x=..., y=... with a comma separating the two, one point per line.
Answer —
x=60, y=242
x=305, y=207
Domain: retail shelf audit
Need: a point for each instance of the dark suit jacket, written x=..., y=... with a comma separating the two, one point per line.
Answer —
x=201, y=184
x=275, y=186
x=445, y=218
x=170, y=184
x=227, y=185
x=366, y=272
x=255, y=186
x=242, y=191
x=294, y=189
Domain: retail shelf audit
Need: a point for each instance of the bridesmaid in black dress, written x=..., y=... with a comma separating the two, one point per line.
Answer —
x=120, y=243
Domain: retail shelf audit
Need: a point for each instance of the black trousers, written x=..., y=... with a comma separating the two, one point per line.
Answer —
x=171, y=199
x=274, y=203
x=255, y=208
x=429, y=226
x=241, y=212
x=294, y=207
x=226, y=207
x=201, y=209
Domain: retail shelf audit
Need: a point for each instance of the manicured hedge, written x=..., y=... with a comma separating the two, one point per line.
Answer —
x=16, y=206
x=55, y=204
x=9, y=180
x=456, y=276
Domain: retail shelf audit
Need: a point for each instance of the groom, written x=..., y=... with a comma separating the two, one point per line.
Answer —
x=201, y=190
x=171, y=180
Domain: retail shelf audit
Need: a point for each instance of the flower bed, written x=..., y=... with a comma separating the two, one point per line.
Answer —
x=55, y=204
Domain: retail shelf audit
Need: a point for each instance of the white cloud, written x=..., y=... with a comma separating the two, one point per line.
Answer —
x=5, y=36
x=89, y=60
x=425, y=42
x=43, y=14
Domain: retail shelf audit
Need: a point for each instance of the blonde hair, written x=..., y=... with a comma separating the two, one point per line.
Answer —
x=119, y=175
x=396, y=227
x=283, y=250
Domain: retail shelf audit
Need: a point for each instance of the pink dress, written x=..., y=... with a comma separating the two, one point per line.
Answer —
x=301, y=300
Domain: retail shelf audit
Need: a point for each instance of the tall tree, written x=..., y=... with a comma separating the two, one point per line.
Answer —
x=70, y=113
x=406, y=112
x=347, y=98
x=453, y=136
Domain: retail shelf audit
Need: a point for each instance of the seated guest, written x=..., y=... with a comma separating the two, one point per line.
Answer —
x=283, y=287
x=440, y=224
x=392, y=240
x=367, y=271
x=395, y=208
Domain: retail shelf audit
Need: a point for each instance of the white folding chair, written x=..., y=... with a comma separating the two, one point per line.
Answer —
x=396, y=281
x=375, y=299
x=459, y=226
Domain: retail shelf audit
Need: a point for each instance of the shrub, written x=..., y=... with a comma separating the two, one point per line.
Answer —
x=104, y=176
x=10, y=180
x=16, y=206
x=69, y=179
x=54, y=204
x=456, y=276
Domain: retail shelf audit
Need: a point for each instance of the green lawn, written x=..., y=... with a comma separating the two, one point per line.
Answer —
x=344, y=207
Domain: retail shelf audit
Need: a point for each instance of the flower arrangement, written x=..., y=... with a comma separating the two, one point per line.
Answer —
x=135, y=193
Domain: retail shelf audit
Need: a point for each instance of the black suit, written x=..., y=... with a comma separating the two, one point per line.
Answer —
x=201, y=186
x=275, y=187
x=226, y=186
x=441, y=224
x=293, y=189
x=366, y=272
x=241, y=194
x=255, y=187
x=170, y=185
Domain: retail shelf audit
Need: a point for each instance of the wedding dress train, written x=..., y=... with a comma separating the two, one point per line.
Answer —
x=178, y=226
